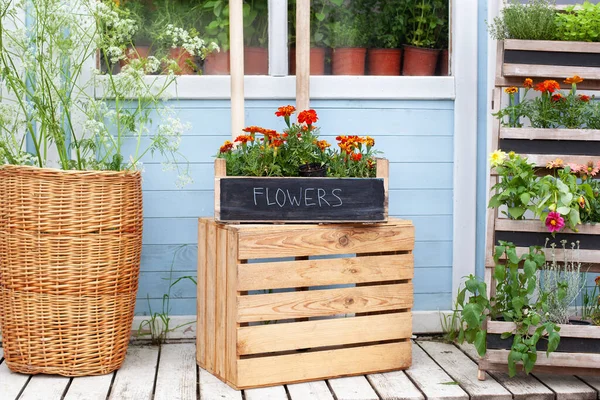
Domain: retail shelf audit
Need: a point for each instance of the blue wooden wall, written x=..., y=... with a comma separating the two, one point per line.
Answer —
x=416, y=136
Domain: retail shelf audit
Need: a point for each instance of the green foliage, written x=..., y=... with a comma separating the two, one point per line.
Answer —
x=532, y=21
x=348, y=26
x=581, y=23
x=424, y=23
x=216, y=20
x=514, y=301
x=256, y=22
x=516, y=188
x=560, y=193
x=384, y=22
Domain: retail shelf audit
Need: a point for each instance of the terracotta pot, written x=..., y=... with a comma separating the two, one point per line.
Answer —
x=384, y=61
x=349, y=61
x=133, y=53
x=185, y=61
x=317, y=61
x=443, y=63
x=419, y=61
x=217, y=63
x=256, y=61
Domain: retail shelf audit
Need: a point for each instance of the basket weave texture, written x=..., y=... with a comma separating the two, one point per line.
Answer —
x=70, y=247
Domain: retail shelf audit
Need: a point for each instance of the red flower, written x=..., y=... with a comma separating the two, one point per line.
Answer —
x=285, y=111
x=244, y=138
x=528, y=83
x=356, y=157
x=308, y=116
x=254, y=129
x=556, y=97
x=549, y=86
x=597, y=280
x=370, y=163
x=584, y=97
x=554, y=222
x=227, y=146
x=574, y=79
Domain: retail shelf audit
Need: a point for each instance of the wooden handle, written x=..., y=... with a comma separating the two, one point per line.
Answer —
x=302, y=54
x=236, y=60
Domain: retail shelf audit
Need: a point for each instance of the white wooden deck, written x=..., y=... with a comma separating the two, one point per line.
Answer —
x=440, y=371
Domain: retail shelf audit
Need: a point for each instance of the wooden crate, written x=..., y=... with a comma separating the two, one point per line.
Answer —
x=252, y=334
x=301, y=200
x=546, y=59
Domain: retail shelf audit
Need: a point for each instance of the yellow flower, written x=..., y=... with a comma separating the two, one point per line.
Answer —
x=497, y=158
x=511, y=90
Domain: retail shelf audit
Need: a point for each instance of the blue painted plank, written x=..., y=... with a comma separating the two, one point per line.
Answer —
x=184, y=203
x=433, y=254
x=415, y=175
x=185, y=230
x=187, y=306
x=423, y=149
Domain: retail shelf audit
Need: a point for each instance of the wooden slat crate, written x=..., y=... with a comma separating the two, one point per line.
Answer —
x=260, y=325
x=301, y=200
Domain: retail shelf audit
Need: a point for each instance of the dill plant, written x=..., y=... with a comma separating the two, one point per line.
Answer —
x=535, y=20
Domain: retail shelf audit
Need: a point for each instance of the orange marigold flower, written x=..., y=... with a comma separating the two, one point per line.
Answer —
x=558, y=163
x=370, y=141
x=323, y=144
x=370, y=163
x=285, y=111
x=244, y=138
x=253, y=129
x=227, y=146
x=584, y=97
x=356, y=156
x=308, y=116
x=511, y=90
x=276, y=143
x=556, y=97
x=549, y=86
x=528, y=83
x=574, y=79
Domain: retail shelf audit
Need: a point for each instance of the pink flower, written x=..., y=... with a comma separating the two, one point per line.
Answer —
x=575, y=168
x=554, y=222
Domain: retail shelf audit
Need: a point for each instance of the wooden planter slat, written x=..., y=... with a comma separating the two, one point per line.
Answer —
x=286, y=274
x=322, y=333
x=301, y=200
x=251, y=340
x=551, y=46
x=542, y=71
x=572, y=331
x=550, y=134
x=511, y=225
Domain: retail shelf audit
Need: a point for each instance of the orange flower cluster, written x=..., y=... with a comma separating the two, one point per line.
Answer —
x=557, y=97
x=254, y=129
x=548, y=86
x=528, y=83
x=244, y=138
x=369, y=141
x=323, y=144
x=285, y=111
x=511, y=90
x=227, y=146
x=356, y=157
x=349, y=143
x=558, y=163
x=308, y=117
x=584, y=97
x=574, y=79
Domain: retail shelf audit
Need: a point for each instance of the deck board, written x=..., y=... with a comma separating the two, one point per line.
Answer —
x=523, y=387
x=11, y=384
x=135, y=379
x=45, y=387
x=568, y=387
x=593, y=381
x=317, y=390
x=89, y=387
x=176, y=378
x=464, y=371
x=352, y=388
x=267, y=393
x=211, y=388
x=394, y=386
x=431, y=379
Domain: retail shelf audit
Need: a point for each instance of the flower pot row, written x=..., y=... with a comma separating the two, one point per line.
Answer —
x=385, y=62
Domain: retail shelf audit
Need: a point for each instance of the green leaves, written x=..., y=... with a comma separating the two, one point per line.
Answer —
x=480, y=342
x=472, y=314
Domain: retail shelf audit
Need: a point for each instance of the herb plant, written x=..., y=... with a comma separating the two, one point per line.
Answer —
x=581, y=23
x=424, y=23
x=535, y=20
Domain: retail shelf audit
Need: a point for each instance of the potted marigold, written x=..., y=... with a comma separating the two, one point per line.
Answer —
x=266, y=175
x=71, y=225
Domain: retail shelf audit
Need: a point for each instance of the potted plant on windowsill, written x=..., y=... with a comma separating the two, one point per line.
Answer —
x=319, y=18
x=141, y=47
x=71, y=224
x=442, y=40
x=385, y=24
x=217, y=29
x=420, y=56
x=256, y=26
x=348, y=40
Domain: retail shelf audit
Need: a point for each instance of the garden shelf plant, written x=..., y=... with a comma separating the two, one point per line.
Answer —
x=266, y=176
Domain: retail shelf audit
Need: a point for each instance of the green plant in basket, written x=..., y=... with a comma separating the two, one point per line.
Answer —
x=514, y=301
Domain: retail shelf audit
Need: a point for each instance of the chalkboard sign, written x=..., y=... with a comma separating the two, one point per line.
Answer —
x=301, y=199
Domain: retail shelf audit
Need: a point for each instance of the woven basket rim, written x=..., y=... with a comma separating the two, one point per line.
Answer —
x=57, y=171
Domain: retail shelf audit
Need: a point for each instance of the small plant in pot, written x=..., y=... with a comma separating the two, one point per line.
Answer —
x=256, y=27
x=216, y=22
x=348, y=40
x=442, y=39
x=385, y=25
x=141, y=46
x=420, y=55
x=320, y=12
x=535, y=20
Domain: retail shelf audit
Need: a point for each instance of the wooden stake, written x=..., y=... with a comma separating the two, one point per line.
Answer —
x=236, y=60
x=302, y=54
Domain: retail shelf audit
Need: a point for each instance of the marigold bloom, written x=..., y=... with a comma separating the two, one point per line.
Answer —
x=227, y=146
x=370, y=141
x=554, y=221
x=528, y=83
x=549, y=86
x=556, y=97
x=244, y=138
x=371, y=163
x=597, y=280
x=323, y=144
x=356, y=157
x=574, y=79
x=511, y=90
x=497, y=158
x=285, y=111
x=308, y=116
x=253, y=129
x=585, y=98
x=558, y=163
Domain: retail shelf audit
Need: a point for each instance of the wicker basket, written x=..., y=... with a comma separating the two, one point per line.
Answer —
x=70, y=246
